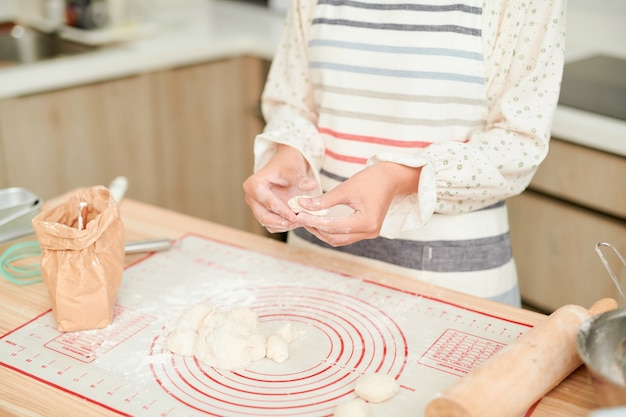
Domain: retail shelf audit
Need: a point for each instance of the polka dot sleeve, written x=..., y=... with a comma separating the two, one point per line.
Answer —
x=524, y=51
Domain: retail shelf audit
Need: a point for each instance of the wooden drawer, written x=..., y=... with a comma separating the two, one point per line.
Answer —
x=554, y=247
x=584, y=176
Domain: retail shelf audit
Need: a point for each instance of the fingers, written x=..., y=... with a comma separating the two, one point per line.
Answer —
x=272, y=214
x=339, y=231
x=324, y=202
x=338, y=239
x=306, y=184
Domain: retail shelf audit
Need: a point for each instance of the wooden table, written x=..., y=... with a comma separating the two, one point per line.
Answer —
x=21, y=395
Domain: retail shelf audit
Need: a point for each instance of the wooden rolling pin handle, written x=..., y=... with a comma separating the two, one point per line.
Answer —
x=603, y=305
x=511, y=381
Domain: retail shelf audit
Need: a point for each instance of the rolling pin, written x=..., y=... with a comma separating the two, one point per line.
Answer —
x=515, y=378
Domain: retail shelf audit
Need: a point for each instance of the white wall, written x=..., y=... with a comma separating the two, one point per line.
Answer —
x=605, y=6
x=7, y=9
x=596, y=26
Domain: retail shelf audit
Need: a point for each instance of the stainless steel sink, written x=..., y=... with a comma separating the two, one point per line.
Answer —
x=21, y=45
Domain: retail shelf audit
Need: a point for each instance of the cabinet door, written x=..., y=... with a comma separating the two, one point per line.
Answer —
x=4, y=173
x=206, y=126
x=83, y=136
x=554, y=248
x=584, y=176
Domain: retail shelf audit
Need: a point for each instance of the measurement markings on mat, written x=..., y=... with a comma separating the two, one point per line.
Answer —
x=86, y=346
x=458, y=352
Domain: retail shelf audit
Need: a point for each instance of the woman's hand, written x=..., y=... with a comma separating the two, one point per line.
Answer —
x=268, y=190
x=369, y=193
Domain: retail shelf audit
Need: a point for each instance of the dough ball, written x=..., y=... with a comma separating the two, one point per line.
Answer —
x=295, y=206
x=194, y=316
x=181, y=340
x=376, y=388
x=277, y=349
x=353, y=408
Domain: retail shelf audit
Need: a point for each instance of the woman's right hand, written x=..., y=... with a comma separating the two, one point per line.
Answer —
x=268, y=190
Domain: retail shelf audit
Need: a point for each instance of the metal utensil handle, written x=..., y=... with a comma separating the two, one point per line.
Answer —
x=608, y=267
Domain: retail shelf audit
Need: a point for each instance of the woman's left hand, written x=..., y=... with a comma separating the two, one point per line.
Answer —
x=369, y=194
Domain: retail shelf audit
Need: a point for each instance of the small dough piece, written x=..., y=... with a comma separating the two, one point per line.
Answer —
x=376, y=387
x=277, y=348
x=353, y=408
x=289, y=333
x=295, y=206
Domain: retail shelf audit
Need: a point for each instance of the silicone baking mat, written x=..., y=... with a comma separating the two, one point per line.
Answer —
x=350, y=326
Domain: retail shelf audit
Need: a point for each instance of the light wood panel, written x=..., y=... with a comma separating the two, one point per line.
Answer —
x=584, y=176
x=4, y=181
x=554, y=247
x=82, y=136
x=183, y=138
x=206, y=127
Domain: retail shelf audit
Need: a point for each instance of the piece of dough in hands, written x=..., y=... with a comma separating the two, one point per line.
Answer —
x=295, y=206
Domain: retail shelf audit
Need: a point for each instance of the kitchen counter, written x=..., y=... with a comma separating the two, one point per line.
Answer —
x=592, y=29
x=196, y=31
x=191, y=32
x=19, y=304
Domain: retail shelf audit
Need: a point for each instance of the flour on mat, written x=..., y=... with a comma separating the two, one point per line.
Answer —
x=227, y=340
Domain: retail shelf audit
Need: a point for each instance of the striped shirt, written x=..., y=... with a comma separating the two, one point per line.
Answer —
x=464, y=90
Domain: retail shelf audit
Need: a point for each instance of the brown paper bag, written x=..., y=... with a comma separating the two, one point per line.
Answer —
x=82, y=268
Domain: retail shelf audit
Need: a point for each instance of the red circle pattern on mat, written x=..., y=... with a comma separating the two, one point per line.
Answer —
x=344, y=337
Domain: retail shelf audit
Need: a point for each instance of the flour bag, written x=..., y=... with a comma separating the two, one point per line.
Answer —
x=82, y=257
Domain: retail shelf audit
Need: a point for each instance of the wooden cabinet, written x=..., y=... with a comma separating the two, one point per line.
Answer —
x=83, y=136
x=183, y=138
x=577, y=199
x=207, y=118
